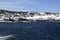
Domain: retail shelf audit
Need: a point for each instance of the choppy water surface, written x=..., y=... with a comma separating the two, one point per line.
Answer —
x=30, y=30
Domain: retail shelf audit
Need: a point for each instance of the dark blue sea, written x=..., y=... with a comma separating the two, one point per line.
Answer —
x=31, y=30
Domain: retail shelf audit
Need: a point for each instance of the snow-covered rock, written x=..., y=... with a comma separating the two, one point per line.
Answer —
x=27, y=16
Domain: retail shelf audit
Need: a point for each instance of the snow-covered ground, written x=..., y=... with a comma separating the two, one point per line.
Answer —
x=5, y=16
x=44, y=17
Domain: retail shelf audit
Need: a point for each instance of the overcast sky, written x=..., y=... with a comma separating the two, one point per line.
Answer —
x=31, y=5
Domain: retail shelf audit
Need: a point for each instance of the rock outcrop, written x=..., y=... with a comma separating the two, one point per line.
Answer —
x=21, y=16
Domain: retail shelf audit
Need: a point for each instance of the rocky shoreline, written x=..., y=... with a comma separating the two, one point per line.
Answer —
x=20, y=16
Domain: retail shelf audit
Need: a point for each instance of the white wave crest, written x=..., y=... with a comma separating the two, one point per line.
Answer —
x=5, y=37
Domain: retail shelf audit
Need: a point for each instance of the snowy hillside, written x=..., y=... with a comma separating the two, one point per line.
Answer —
x=28, y=16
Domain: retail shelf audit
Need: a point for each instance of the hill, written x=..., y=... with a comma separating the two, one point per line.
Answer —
x=21, y=16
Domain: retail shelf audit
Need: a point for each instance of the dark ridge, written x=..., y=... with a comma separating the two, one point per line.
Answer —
x=2, y=11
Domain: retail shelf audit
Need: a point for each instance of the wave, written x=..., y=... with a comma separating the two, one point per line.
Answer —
x=6, y=37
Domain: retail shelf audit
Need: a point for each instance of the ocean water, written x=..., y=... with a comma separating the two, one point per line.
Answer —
x=30, y=31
